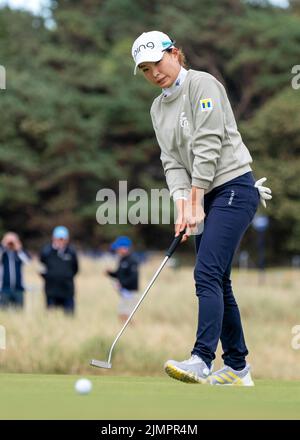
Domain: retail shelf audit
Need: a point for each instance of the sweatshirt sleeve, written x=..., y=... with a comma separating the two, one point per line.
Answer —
x=207, y=100
x=177, y=177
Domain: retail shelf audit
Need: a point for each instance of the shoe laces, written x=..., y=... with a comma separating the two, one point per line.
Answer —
x=193, y=359
x=197, y=359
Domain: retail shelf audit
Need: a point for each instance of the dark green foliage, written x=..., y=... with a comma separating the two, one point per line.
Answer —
x=75, y=120
x=274, y=136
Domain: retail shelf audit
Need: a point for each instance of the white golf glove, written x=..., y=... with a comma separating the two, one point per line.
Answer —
x=264, y=191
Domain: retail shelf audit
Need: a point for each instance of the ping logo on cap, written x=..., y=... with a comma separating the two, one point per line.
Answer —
x=149, y=45
x=206, y=104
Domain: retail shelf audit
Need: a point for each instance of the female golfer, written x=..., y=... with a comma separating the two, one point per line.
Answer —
x=207, y=168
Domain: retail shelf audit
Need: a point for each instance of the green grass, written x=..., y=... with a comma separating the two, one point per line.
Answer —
x=28, y=396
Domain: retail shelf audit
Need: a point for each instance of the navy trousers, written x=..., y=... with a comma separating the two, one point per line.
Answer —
x=67, y=304
x=11, y=297
x=229, y=211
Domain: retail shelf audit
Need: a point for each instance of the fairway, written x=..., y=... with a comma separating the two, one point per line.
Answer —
x=27, y=396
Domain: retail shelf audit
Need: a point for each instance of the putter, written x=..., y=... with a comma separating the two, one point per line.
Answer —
x=169, y=253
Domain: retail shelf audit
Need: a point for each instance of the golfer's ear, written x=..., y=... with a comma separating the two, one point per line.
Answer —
x=174, y=51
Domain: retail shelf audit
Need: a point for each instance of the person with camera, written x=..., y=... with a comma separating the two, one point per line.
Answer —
x=12, y=258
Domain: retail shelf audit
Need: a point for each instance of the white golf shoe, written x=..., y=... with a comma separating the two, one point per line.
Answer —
x=193, y=370
x=229, y=376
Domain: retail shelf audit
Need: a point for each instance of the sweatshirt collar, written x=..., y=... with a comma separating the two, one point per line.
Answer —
x=179, y=91
x=179, y=80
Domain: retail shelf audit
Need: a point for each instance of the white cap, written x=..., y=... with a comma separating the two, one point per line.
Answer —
x=150, y=47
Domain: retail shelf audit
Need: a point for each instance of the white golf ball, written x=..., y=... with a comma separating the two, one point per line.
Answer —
x=83, y=386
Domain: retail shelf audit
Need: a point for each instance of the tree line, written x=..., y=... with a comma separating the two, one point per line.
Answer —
x=75, y=120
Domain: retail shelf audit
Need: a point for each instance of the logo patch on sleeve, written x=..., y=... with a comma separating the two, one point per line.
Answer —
x=206, y=105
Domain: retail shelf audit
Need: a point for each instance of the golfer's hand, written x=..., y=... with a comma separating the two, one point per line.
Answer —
x=195, y=217
x=189, y=218
x=264, y=191
x=181, y=225
x=194, y=211
x=181, y=221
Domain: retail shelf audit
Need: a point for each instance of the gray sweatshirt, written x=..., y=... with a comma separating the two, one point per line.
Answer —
x=198, y=136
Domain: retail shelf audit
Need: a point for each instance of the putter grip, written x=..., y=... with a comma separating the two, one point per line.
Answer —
x=174, y=244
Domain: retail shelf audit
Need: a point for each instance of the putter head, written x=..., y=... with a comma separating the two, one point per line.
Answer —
x=100, y=364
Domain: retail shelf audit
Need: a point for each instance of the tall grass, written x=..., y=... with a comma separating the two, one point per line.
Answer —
x=163, y=328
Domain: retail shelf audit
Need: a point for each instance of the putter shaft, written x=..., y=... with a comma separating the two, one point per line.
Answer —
x=168, y=254
x=101, y=364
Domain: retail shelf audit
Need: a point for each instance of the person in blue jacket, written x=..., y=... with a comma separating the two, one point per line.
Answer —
x=126, y=276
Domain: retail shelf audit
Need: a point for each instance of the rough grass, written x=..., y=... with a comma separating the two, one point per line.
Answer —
x=164, y=327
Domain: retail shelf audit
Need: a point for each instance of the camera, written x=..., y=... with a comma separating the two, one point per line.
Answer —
x=10, y=244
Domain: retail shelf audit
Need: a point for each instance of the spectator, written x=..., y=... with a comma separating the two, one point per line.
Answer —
x=12, y=258
x=126, y=276
x=61, y=266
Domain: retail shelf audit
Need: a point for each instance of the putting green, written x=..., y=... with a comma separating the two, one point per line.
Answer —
x=26, y=396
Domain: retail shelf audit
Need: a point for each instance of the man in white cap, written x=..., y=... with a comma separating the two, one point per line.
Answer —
x=61, y=265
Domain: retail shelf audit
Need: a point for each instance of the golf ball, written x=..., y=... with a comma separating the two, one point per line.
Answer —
x=83, y=386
